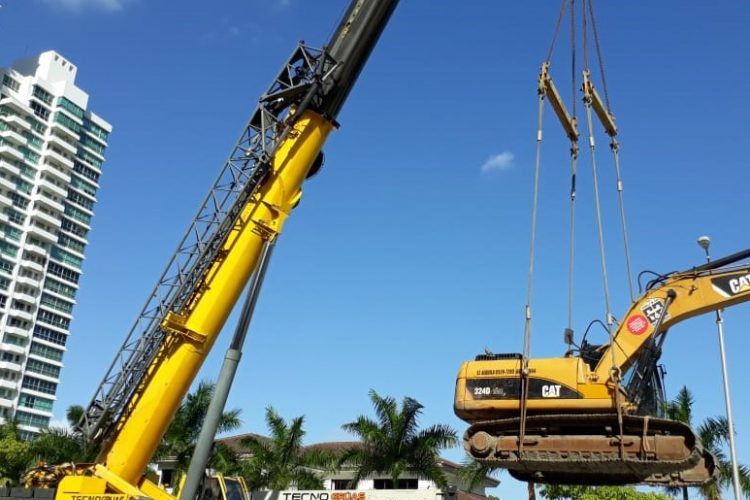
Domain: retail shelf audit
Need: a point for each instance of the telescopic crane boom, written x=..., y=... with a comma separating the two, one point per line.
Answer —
x=254, y=194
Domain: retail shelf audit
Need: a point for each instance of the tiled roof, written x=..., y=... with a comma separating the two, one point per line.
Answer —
x=234, y=442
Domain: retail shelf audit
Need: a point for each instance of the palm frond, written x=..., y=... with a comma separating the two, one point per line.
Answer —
x=473, y=473
x=681, y=408
x=713, y=431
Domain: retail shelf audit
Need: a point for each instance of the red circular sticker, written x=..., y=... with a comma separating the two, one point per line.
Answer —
x=637, y=324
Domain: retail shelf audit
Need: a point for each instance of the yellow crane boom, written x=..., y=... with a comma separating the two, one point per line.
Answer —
x=259, y=186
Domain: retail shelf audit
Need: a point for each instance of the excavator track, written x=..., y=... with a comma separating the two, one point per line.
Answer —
x=587, y=449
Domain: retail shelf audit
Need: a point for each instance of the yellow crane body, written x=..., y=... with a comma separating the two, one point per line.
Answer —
x=193, y=333
x=256, y=191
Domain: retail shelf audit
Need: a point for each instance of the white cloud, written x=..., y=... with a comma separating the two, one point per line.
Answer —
x=80, y=5
x=500, y=161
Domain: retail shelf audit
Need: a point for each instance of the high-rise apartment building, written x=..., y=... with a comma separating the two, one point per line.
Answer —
x=51, y=155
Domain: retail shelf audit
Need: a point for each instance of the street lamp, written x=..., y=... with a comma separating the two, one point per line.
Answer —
x=705, y=242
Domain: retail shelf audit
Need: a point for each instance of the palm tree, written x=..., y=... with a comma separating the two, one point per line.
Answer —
x=394, y=444
x=278, y=462
x=63, y=444
x=74, y=414
x=714, y=434
x=182, y=434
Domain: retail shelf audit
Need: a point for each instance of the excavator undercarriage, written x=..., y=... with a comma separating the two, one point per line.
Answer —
x=590, y=449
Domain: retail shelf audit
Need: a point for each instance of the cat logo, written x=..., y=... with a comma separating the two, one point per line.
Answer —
x=741, y=284
x=732, y=285
x=550, y=391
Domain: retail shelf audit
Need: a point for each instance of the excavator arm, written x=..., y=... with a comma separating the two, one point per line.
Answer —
x=583, y=424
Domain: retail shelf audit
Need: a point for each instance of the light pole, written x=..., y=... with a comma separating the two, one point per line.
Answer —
x=705, y=242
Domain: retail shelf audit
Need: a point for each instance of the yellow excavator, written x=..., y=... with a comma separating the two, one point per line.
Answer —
x=596, y=415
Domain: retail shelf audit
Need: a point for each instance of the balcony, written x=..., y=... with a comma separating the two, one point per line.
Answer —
x=26, y=280
x=46, y=378
x=6, y=403
x=8, y=384
x=33, y=265
x=9, y=167
x=17, y=313
x=37, y=411
x=42, y=341
x=62, y=143
x=93, y=152
x=7, y=184
x=51, y=309
x=46, y=359
x=5, y=201
x=15, y=330
x=15, y=349
x=25, y=297
x=57, y=158
x=60, y=129
x=48, y=199
x=13, y=136
x=10, y=152
x=47, y=180
x=30, y=247
x=17, y=121
x=7, y=365
x=43, y=233
x=47, y=218
x=95, y=137
x=17, y=105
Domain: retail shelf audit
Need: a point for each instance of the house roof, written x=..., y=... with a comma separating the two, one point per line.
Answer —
x=235, y=443
x=465, y=495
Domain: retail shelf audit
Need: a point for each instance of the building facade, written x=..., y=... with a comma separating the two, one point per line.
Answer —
x=51, y=155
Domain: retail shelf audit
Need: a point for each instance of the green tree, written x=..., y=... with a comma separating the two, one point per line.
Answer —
x=182, y=434
x=278, y=462
x=74, y=414
x=714, y=434
x=15, y=454
x=394, y=444
x=60, y=444
x=558, y=492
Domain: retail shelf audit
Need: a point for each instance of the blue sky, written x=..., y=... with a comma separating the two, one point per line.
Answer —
x=408, y=254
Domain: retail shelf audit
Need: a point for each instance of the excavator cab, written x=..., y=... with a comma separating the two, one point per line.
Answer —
x=216, y=486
